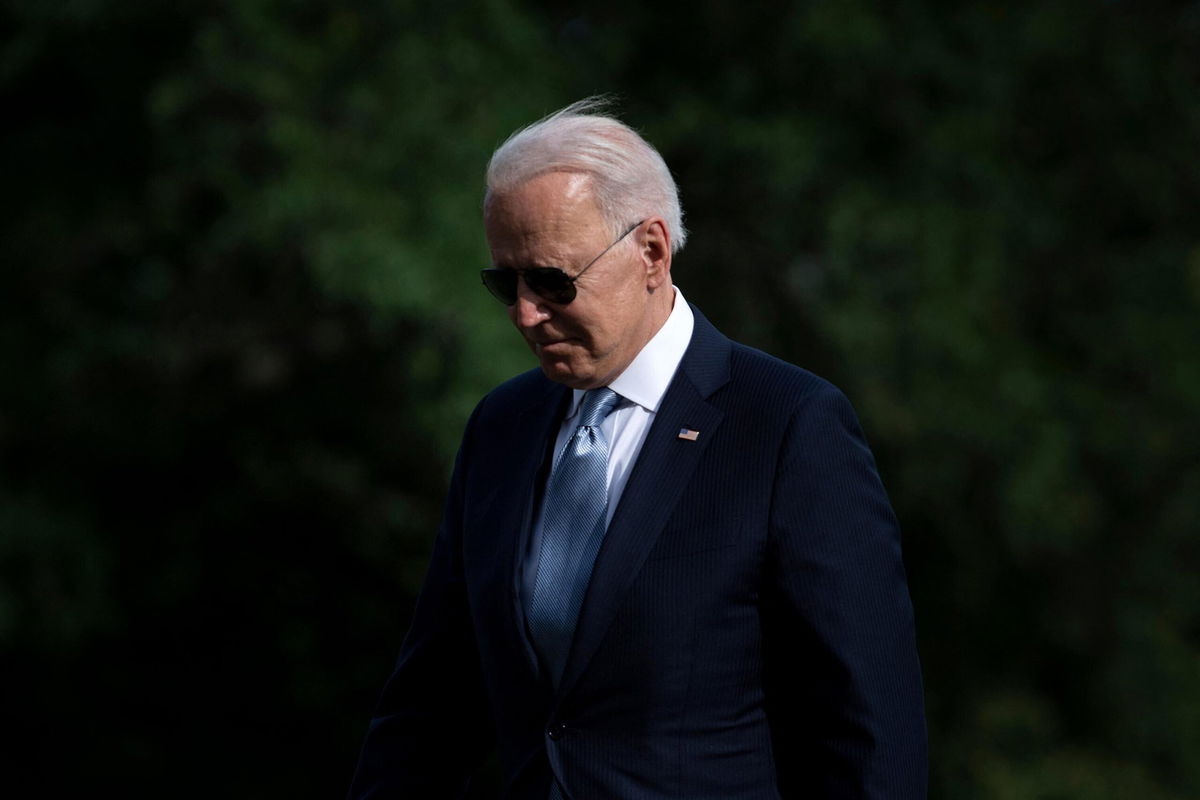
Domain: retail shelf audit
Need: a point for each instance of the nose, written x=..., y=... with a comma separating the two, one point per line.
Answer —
x=530, y=310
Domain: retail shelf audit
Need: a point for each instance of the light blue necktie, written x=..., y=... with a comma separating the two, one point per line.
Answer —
x=573, y=523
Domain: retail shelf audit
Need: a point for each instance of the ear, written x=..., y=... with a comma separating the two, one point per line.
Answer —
x=655, y=244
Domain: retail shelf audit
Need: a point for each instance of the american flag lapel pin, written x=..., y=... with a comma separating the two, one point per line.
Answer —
x=689, y=434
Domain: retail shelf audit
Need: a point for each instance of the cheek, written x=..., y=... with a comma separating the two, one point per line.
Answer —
x=593, y=332
x=606, y=339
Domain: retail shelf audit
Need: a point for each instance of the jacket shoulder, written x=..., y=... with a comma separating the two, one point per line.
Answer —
x=775, y=383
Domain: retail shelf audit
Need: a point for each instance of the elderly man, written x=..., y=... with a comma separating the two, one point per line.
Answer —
x=667, y=566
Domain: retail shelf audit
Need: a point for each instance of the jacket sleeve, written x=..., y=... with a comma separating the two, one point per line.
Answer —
x=431, y=728
x=841, y=674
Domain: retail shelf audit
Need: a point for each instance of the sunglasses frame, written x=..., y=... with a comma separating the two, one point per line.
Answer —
x=549, y=283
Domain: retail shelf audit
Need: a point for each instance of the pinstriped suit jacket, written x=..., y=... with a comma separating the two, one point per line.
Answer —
x=747, y=632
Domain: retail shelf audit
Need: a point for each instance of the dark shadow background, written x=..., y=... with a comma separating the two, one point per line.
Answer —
x=241, y=328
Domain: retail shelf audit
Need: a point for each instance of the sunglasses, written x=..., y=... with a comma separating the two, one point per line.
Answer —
x=548, y=283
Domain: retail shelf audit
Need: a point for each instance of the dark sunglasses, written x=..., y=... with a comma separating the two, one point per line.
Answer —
x=548, y=283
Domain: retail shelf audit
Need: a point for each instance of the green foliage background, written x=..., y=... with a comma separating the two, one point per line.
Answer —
x=240, y=330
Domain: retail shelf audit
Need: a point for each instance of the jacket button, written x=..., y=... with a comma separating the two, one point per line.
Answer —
x=556, y=731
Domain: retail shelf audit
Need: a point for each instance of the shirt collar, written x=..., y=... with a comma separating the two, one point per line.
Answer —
x=647, y=377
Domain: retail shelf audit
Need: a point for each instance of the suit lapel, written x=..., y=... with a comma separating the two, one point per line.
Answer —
x=662, y=471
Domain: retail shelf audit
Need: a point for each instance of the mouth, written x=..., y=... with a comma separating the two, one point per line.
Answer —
x=554, y=345
x=555, y=348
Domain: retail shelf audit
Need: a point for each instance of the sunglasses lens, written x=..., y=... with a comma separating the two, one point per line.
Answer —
x=502, y=283
x=550, y=283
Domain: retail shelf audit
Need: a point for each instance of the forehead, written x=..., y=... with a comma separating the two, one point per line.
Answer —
x=553, y=212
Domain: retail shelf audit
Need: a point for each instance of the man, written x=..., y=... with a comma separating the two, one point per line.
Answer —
x=667, y=566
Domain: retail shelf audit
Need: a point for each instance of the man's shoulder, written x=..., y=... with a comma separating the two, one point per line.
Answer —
x=766, y=393
x=771, y=381
x=741, y=371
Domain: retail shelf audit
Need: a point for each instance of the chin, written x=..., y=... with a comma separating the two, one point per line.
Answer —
x=560, y=373
x=566, y=373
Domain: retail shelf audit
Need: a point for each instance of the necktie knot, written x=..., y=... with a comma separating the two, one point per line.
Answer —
x=597, y=404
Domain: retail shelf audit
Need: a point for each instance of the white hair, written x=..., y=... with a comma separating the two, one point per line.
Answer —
x=629, y=179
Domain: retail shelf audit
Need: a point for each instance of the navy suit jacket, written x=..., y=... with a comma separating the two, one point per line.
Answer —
x=747, y=632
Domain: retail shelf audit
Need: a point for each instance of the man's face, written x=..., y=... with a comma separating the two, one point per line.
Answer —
x=552, y=221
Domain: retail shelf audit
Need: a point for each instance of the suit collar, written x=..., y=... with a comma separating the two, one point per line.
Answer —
x=706, y=362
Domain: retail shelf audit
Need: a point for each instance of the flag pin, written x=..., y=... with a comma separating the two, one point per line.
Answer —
x=689, y=434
